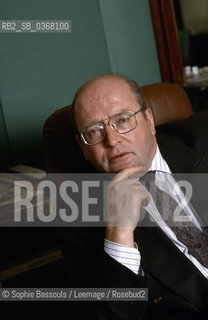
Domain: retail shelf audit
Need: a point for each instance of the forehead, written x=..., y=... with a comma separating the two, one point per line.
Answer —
x=102, y=99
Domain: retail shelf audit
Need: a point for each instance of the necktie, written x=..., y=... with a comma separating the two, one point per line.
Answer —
x=188, y=234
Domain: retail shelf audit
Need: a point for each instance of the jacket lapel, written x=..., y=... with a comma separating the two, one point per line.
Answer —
x=179, y=157
x=168, y=264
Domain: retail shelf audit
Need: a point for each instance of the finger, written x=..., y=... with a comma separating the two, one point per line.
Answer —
x=127, y=182
x=146, y=201
x=121, y=188
x=125, y=173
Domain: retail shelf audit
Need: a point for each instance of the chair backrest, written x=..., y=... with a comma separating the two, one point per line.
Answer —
x=169, y=103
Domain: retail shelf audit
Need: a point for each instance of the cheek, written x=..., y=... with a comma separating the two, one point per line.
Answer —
x=142, y=138
x=95, y=155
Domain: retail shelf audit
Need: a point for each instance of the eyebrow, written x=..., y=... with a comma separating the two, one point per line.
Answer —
x=101, y=121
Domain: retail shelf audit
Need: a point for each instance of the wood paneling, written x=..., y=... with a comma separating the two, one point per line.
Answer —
x=166, y=33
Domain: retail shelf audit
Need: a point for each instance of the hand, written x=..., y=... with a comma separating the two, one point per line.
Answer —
x=125, y=198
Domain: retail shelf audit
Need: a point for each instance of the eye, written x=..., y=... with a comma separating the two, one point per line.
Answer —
x=123, y=119
x=93, y=131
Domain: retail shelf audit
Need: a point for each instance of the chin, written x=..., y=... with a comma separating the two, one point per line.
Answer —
x=118, y=167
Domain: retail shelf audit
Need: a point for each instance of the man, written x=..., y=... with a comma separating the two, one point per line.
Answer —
x=117, y=135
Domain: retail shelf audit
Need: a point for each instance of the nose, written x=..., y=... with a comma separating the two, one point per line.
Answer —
x=112, y=137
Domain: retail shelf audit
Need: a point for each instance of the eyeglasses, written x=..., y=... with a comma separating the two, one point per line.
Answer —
x=123, y=122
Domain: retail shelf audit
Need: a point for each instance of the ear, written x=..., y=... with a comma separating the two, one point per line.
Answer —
x=150, y=120
x=81, y=145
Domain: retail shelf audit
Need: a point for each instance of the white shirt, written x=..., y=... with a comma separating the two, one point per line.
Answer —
x=130, y=257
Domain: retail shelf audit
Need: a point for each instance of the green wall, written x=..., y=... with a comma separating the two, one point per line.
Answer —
x=41, y=72
x=130, y=39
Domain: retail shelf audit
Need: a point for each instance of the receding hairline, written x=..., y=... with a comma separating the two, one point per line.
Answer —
x=96, y=80
x=131, y=84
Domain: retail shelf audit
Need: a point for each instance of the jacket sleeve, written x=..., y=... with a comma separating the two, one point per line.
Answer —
x=89, y=266
x=114, y=275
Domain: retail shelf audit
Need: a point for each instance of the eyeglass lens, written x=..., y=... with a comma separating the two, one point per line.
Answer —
x=122, y=123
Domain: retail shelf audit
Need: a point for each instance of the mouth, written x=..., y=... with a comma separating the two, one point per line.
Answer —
x=119, y=157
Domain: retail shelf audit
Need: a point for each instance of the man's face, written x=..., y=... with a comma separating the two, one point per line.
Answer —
x=105, y=98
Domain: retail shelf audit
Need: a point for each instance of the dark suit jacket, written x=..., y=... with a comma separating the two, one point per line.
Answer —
x=177, y=290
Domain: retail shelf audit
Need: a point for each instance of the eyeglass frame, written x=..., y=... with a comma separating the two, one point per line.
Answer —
x=111, y=125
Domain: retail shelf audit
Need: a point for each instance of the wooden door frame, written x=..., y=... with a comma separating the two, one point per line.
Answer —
x=167, y=39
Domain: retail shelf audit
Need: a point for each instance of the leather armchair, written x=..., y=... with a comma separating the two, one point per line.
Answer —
x=169, y=104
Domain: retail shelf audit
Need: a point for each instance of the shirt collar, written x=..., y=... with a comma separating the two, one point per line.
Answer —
x=159, y=163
